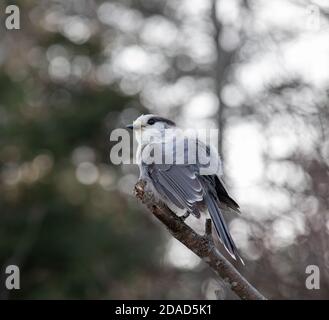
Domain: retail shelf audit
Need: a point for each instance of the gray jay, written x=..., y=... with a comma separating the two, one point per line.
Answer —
x=179, y=183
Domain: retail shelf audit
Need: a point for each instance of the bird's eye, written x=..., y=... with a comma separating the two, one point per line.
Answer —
x=151, y=122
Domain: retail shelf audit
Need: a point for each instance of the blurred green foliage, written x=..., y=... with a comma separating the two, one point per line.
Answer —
x=78, y=69
x=70, y=240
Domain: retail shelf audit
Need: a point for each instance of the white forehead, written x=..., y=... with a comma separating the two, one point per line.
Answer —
x=144, y=118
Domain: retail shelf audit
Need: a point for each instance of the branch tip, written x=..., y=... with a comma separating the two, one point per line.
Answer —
x=202, y=246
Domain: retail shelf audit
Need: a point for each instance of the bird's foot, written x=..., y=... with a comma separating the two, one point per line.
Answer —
x=185, y=215
x=208, y=230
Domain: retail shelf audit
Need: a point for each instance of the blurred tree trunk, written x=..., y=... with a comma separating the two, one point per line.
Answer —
x=222, y=64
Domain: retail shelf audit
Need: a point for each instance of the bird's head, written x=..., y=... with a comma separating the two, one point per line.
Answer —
x=150, y=127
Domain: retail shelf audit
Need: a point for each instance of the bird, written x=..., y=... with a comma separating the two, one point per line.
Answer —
x=181, y=185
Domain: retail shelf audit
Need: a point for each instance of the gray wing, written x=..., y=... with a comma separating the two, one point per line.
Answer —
x=179, y=184
x=225, y=199
x=185, y=188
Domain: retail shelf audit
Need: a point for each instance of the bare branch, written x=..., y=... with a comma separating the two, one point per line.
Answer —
x=201, y=245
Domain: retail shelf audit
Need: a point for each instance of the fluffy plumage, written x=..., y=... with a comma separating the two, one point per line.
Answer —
x=181, y=186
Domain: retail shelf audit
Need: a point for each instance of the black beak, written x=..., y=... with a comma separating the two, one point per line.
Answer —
x=130, y=126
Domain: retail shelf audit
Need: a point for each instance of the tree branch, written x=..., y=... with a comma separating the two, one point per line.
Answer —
x=201, y=245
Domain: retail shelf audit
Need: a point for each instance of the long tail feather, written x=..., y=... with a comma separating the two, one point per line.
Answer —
x=221, y=227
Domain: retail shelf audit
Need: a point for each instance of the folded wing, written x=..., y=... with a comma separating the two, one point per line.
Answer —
x=185, y=188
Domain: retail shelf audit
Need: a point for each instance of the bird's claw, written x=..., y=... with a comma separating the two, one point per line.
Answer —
x=185, y=215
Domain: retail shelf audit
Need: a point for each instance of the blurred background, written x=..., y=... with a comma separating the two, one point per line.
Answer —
x=77, y=69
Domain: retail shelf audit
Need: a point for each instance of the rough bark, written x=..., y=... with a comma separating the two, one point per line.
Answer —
x=202, y=245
